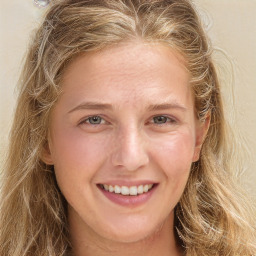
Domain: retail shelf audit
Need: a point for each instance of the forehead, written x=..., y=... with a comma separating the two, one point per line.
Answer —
x=132, y=71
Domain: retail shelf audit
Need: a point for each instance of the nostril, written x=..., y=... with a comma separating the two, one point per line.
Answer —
x=130, y=151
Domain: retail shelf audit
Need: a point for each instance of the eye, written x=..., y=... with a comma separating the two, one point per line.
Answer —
x=94, y=120
x=94, y=124
x=162, y=120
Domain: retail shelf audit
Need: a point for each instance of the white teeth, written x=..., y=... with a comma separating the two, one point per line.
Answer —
x=133, y=191
x=124, y=190
x=140, y=189
x=117, y=189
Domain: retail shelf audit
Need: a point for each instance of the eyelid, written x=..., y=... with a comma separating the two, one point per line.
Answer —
x=102, y=120
x=84, y=119
x=171, y=119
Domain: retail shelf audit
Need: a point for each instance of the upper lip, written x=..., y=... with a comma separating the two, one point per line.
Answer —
x=128, y=183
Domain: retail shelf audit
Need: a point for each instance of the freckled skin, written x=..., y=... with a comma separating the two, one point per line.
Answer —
x=128, y=145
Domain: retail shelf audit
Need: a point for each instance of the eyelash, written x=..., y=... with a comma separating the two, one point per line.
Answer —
x=166, y=120
x=87, y=120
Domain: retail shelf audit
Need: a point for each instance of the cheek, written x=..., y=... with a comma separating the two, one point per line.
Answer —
x=175, y=158
x=76, y=153
x=77, y=158
x=175, y=154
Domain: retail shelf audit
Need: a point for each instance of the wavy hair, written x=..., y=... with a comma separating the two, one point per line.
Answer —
x=212, y=217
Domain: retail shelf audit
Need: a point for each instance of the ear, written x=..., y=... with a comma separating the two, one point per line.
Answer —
x=46, y=155
x=202, y=128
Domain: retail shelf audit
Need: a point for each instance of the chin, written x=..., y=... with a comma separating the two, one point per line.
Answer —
x=128, y=238
x=131, y=233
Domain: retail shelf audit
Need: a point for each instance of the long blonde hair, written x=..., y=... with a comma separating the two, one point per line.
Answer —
x=212, y=217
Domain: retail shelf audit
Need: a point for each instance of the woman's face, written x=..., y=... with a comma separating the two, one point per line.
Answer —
x=122, y=139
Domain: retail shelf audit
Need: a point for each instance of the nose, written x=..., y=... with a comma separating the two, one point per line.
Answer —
x=130, y=151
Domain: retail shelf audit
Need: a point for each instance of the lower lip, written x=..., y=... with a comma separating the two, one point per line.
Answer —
x=129, y=201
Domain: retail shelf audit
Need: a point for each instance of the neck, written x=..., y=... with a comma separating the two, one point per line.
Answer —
x=161, y=242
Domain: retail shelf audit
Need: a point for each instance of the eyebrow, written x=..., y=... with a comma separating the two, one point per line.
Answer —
x=105, y=106
x=166, y=106
x=91, y=105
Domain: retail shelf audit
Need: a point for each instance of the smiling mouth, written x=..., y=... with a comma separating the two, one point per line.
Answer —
x=127, y=191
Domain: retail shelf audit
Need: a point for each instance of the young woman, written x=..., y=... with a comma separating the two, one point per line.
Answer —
x=119, y=144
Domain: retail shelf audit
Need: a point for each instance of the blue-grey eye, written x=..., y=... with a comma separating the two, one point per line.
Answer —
x=160, y=119
x=94, y=120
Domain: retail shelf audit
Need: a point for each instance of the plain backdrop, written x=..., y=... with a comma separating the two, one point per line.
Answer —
x=231, y=25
